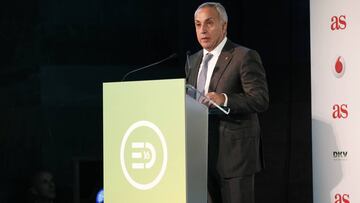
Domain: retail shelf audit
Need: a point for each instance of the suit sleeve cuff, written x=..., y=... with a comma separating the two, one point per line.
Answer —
x=226, y=100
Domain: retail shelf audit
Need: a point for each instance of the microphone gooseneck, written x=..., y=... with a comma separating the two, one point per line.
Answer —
x=149, y=66
x=187, y=67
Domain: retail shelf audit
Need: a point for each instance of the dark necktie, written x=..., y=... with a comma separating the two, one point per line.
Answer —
x=203, y=73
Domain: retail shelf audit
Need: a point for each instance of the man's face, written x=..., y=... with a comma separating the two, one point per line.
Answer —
x=210, y=30
x=45, y=186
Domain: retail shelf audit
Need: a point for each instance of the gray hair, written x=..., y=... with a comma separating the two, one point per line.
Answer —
x=220, y=9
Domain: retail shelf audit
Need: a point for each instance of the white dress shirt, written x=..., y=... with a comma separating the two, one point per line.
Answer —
x=211, y=65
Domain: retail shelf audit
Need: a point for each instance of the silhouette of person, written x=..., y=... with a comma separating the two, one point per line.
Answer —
x=42, y=189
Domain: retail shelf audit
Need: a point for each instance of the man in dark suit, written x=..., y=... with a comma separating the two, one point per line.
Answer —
x=232, y=76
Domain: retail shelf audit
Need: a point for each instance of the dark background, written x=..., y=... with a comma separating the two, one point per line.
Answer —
x=55, y=54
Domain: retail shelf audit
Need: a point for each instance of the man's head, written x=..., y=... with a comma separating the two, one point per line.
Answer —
x=210, y=24
x=43, y=186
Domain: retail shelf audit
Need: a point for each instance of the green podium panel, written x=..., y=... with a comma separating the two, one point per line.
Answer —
x=155, y=143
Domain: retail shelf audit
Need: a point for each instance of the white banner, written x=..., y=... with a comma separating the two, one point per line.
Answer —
x=335, y=78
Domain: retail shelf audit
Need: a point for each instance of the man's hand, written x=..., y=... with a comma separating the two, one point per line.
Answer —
x=219, y=99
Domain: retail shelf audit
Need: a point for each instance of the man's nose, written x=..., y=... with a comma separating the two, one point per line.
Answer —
x=203, y=29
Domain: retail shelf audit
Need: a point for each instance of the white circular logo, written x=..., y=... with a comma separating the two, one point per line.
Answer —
x=149, y=155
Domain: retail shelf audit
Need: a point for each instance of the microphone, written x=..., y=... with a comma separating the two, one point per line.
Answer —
x=187, y=67
x=149, y=66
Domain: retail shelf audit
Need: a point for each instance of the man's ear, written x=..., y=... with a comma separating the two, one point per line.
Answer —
x=225, y=27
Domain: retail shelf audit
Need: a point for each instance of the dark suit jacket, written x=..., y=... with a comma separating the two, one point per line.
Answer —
x=239, y=74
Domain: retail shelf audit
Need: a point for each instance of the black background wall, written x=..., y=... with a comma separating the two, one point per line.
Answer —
x=56, y=54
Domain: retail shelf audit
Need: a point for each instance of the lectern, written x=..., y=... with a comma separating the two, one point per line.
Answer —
x=155, y=143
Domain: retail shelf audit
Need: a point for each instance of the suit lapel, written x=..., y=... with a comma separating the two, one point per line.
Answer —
x=221, y=65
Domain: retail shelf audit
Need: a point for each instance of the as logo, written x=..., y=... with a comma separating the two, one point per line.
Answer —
x=338, y=67
x=340, y=111
x=342, y=198
x=338, y=22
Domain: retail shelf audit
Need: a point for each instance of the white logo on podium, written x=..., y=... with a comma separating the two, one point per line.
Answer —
x=143, y=155
x=149, y=156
